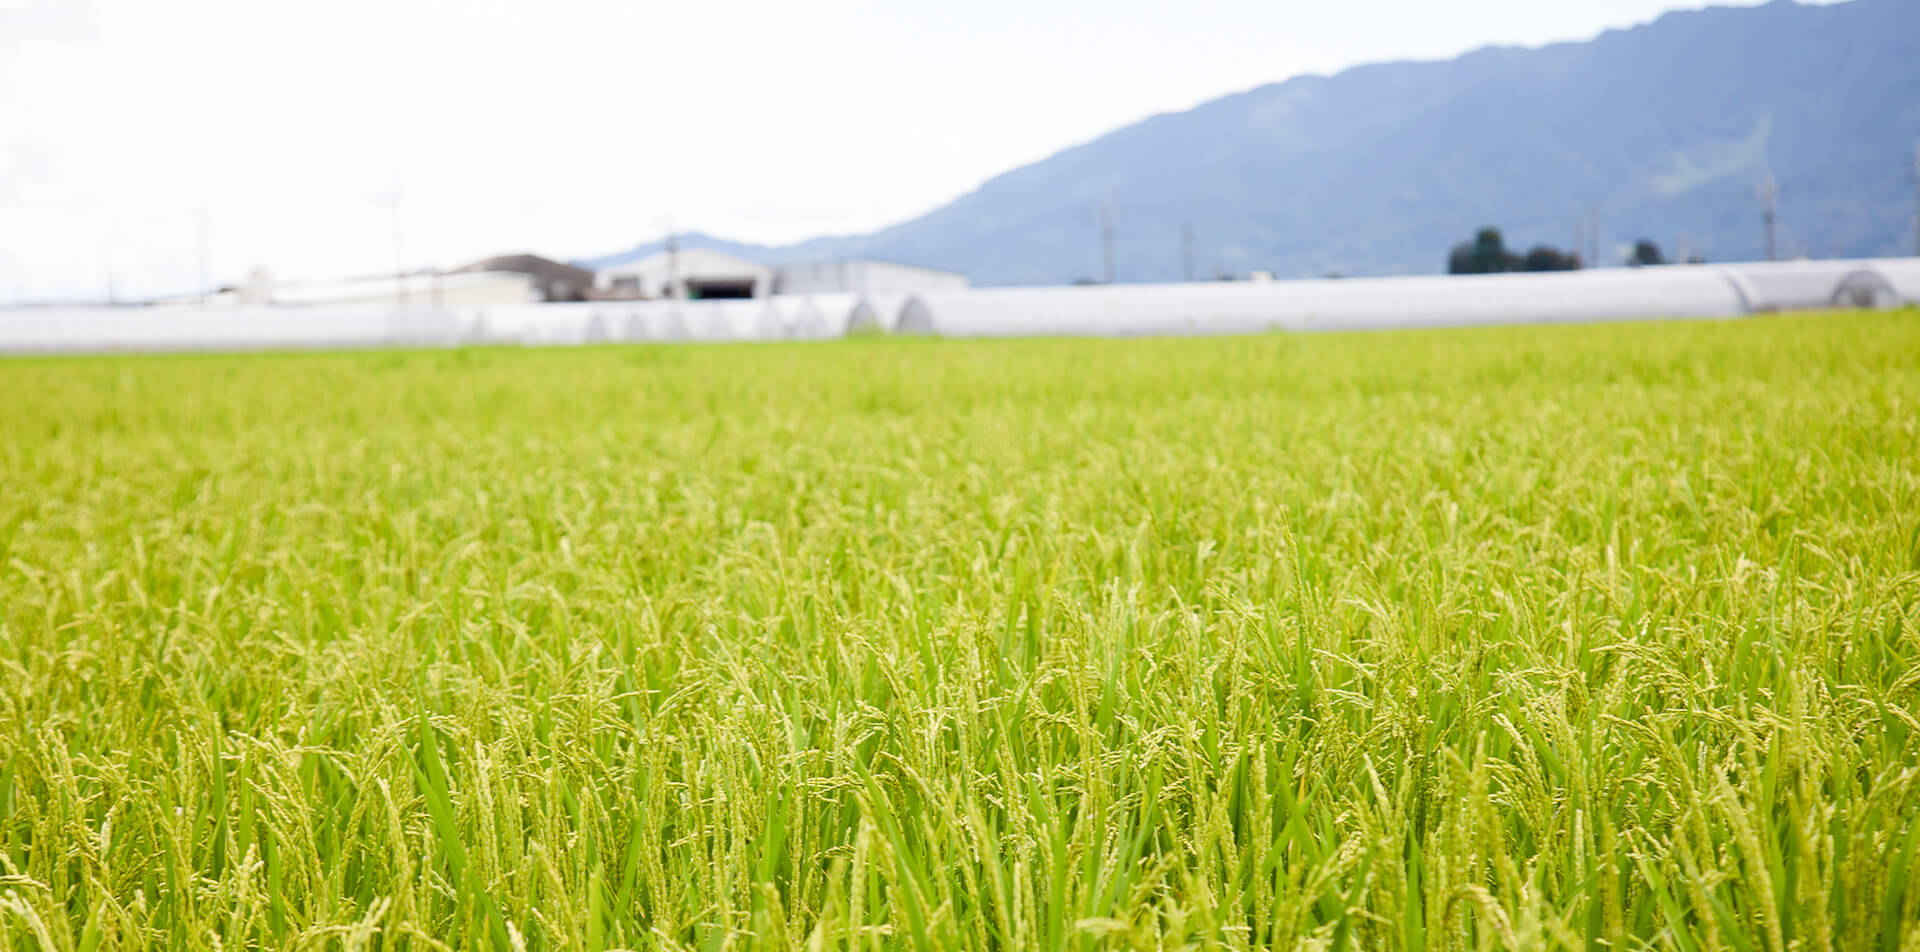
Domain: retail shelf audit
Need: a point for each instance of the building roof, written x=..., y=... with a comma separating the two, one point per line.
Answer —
x=691, y=263
x=524, y=263
x=870, y=259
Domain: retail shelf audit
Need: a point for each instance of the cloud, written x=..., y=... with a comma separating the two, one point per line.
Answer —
x=572, y=127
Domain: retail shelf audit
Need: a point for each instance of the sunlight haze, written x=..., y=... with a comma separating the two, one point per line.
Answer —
x=575, y=128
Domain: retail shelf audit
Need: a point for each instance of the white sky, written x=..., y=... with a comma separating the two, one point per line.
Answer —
x=574, y=128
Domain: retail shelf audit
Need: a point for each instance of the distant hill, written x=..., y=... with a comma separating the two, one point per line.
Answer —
x=1666, y=127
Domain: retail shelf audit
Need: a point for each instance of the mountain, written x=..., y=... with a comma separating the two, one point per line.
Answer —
x=1666, y=129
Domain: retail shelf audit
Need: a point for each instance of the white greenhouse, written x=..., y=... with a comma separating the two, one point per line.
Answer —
x=1770, y=286
x=109, y=329
x=730, y=319
x=1901, y=274
x=1680, y=291
x=876, y=313
x=1334, y=304
x=815, y=316
x=837, y=312
x=640, y=321
x=538, y=325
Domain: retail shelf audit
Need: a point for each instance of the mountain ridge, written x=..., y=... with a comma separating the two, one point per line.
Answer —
x=1665, y=128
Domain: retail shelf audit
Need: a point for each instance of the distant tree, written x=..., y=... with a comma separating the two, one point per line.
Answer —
x=1646, y=252
x=1548, y=258
x=1490, y=252
x=1486, y=254
x=1084, y=282
x=1460, y=260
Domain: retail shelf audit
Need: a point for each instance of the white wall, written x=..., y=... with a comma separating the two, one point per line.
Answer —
x=1350, y=304
x=1683, y=291
x=469, y=289
x=863, y=276
x=655, y=274
x=156, y=329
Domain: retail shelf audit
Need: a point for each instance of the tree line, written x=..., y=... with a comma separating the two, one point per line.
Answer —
x=1487, y=254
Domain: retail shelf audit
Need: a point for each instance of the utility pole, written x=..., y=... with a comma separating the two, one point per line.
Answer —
x=399, y=255
x=1769, y=197
x=1916, y=200
x=1186, y=252
x=675, y=289
x=1593, y=235
x=201, y=229
x=1106, y=236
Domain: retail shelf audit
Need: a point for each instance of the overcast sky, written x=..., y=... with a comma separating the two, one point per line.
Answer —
x=575, y=128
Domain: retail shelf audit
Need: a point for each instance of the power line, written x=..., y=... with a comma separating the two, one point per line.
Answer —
x=1593, y=236
x=16, y=280
x=1916, y=200
x=1769, y=198
x=1186, y=251
x=201, y=229
x=1106, y=237
x=675, y=288
x=399, y=255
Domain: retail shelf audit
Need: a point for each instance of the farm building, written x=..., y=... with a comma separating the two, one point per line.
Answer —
x=422, y=290
x=687, y=274
x=863, y=276
x=551, y=280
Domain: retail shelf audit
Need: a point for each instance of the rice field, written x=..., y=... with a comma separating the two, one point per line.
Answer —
x=1512, y=638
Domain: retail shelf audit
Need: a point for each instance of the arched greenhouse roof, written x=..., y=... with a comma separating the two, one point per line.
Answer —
x=108, y=329
x=1333, y=304
x=540, y=324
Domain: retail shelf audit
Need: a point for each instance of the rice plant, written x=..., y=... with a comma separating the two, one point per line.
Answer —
x=1517, y=638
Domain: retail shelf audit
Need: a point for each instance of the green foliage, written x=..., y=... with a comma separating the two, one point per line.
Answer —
x=1516, y=638
x=1486, y=254
x=1549, y=258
